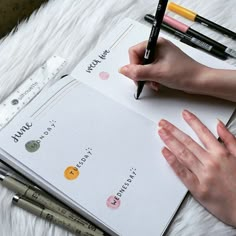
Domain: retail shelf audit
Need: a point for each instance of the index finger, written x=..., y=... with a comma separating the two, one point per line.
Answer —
x=136, y=53
x=204, y=134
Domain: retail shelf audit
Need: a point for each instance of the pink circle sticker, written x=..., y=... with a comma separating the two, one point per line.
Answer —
x=113, y=202
x=104, y=75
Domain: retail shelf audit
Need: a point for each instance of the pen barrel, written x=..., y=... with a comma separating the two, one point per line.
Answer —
x=215, y=27
x=51, y=204
x=208, y=48
x=15, y=185
x=66, y=223
x=206, y=39
x=39, y=210
x=190, y=40
x=28, y=206
x=182, y=11
x=219, y=54
x=156, y=26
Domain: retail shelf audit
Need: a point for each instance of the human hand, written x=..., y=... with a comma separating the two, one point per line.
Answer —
x=210, y=172
x=171, y=68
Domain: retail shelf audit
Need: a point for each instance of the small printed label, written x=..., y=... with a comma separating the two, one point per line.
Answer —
x=205, y=24
x=231, y=52
x=201, y=44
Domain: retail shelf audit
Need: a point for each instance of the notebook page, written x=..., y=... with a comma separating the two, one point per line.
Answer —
x=99, y=70
x=75, y=141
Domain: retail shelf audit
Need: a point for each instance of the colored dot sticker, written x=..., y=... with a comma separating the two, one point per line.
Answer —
x=104, y=75
x=113, y=202
x=71, y=173
x=32, y=146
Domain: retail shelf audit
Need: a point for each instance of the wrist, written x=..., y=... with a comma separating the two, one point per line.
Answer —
x=215, y=82
x=199, y=79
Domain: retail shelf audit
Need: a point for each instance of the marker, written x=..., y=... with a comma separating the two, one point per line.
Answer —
x=195, y=17
x=186, y=29
x=51, y=216
x=188, y=39
x=151, y=46
x=42, y=198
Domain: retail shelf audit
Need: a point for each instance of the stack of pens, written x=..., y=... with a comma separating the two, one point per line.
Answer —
x=192, y=37
x=43, y=205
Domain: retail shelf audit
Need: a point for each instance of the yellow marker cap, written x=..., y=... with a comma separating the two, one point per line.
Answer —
x=182, y=11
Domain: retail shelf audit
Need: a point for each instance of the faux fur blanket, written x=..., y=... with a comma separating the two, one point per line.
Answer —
x=70, y=29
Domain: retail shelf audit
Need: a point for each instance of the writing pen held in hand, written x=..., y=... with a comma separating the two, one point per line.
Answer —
x=152, y=42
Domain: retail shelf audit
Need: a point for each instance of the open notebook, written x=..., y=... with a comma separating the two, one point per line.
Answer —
x=87, y=141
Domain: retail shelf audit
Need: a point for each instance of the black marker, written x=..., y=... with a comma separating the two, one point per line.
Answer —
x=188, y=39
x=151, y=46
x=188, y=30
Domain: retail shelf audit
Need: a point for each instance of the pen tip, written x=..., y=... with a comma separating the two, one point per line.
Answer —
x=136, y=96
x=2, y=177
x=15, y=198
x=139, y=89
x=3, y=172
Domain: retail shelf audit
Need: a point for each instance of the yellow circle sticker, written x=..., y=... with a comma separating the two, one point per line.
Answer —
x=71, y=173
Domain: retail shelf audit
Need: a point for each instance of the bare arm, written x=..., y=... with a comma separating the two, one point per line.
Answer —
x=174, y=69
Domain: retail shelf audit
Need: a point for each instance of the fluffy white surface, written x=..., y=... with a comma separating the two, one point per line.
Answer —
x=71, y=29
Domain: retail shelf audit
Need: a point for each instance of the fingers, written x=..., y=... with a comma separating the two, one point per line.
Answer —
x=140, y=72
x=187, y=141
x=153, y=85
x=136, y=53
x=188, y=178
x=228, y=139
x=204, y=134
x=183, y=154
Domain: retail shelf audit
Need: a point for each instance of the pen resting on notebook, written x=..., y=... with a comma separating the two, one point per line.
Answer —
x=188, y=39
x=51, y=216
x=197, y=18
x=42, y=198
x=186, y=29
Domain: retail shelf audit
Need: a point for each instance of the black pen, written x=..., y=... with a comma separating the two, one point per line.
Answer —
x=151, y=46
x=188, y=39
x=188, y=30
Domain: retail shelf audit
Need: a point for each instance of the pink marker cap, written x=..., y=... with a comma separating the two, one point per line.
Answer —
x=175, y=24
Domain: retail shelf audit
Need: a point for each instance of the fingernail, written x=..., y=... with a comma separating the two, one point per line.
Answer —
x=154, y=86
x=221, y=124
x=123, y=70
x=186, y=114
x=162, y=123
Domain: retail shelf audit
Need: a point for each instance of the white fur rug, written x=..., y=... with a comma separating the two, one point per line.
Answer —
x=71, y=29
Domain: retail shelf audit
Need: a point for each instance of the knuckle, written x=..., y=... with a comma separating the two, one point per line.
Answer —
x=131, y=49
x=204, y=129
x=211, y=167
x=136, y=72
x=181, y=173
x=187, y=141
x=183, y=153
x=223, y=153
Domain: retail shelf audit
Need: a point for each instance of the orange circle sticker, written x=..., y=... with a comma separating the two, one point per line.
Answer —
x=71, y=173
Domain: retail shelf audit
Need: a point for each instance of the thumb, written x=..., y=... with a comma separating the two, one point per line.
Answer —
x=136, y=72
